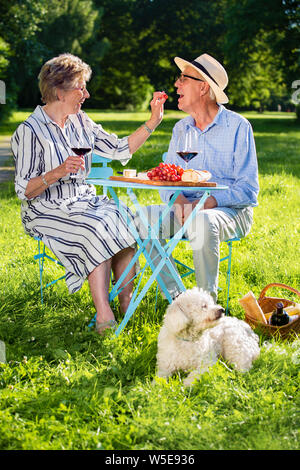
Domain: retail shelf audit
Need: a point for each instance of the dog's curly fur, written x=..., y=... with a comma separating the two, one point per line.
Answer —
x=195, y=333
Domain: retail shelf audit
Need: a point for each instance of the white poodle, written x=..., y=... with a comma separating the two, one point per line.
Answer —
x=195, y=333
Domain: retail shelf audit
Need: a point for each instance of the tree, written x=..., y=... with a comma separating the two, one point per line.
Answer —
x=37, y=30
x=68, y=28
x=261, y=50
x=145, y=35
x=131, y=44
x=5, y=98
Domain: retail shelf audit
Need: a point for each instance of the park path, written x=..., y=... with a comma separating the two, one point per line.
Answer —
x=7, y=169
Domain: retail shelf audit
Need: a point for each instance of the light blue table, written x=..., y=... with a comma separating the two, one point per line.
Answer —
x=153, y=238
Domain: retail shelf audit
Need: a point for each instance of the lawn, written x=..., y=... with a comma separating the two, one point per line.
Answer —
x=66, y=388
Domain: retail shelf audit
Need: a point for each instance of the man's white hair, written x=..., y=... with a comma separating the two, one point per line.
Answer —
x=211, y=91
x=212, y=94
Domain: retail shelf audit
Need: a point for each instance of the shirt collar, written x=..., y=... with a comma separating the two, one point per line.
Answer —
x=42, y=116
x=190, y=122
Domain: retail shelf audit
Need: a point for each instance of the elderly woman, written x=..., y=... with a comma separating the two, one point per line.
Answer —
x=84, y=231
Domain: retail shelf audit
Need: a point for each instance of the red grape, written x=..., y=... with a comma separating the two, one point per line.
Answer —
x=165, y=172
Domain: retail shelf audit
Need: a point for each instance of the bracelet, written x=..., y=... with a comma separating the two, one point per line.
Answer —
x=148, y=128
x=44, y=179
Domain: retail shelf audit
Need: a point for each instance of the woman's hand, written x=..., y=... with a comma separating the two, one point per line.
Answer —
x=157, y=108
x=138, y=137
x=71, y=165
x=36, y=185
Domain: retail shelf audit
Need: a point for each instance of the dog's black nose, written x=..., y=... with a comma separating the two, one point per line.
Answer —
x=220, y=312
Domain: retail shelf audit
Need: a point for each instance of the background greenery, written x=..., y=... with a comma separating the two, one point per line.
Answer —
x=130, y=45
x=65, y=387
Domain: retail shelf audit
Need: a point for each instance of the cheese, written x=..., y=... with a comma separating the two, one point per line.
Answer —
x=129, y=173
x=195, y=176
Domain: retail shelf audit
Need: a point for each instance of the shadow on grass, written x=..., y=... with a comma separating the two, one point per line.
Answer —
x=7, y=190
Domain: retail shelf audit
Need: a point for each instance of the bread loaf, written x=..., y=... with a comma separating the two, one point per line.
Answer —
x=142, y=176
x=251, y=306
x=195, y=176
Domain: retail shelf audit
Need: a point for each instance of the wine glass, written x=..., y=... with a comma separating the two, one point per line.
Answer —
x=80, y=151
x=187, y=145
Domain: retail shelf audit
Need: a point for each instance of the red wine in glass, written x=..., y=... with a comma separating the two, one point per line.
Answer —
x=187, y=156
x=80, y=151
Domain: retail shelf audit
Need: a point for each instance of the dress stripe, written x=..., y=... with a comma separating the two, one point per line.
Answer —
x=81, y=228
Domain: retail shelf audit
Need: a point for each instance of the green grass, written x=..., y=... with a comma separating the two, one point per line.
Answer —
x=64, y=387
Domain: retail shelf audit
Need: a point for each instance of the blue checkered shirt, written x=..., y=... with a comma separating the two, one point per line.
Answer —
x=226, y=148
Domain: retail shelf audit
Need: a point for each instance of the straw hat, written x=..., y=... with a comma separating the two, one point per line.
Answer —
x=213, y=72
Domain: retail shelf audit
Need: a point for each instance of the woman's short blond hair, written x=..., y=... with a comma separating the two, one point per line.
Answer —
x=64, y=72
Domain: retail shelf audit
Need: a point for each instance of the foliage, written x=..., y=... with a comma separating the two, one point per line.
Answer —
x=66, y=388
x=4, y=62
x=145, y=36
x=131, y=44
x=261, y=83
x=262, y=50
x=122, y=91
x=29, y=27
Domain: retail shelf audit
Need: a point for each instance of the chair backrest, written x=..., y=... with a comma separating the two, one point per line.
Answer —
x=99, y=167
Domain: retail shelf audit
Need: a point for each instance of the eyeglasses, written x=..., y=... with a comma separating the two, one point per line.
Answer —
x=81, y=88
x=182, y=77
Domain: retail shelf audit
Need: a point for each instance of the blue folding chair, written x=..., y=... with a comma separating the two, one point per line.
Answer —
x=41, y=256
x=99, y=170
x=188, y=270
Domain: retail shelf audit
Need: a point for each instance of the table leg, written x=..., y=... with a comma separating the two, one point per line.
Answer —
x=163, y=252
x=143, y=243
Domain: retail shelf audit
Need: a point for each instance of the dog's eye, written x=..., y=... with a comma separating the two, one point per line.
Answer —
x=204, y=305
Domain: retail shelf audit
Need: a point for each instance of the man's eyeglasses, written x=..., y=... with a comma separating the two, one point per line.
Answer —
x=182, y=77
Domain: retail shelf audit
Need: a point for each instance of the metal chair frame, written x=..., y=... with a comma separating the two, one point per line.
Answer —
x=227, y=258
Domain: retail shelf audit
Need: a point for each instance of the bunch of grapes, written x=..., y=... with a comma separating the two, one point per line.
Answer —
x=165, y=172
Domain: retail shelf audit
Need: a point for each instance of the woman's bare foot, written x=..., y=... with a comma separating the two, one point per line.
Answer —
x=105, y=320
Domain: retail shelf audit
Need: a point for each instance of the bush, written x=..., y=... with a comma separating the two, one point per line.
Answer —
x=298, y=112
x=122, y=91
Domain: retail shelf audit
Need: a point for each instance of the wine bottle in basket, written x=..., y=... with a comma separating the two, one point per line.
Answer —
x=279, y=317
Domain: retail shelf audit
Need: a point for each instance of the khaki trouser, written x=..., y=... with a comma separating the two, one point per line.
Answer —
x=209, y=228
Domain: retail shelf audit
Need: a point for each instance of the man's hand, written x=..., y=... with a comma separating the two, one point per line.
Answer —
x=210, y=203
x=183, y=207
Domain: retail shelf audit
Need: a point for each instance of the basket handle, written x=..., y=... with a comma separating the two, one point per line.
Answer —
x=292, y=289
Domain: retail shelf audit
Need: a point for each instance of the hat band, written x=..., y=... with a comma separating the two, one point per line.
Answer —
x=199, y=66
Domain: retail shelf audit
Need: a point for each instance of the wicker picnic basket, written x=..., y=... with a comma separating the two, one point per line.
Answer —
x=268, y=304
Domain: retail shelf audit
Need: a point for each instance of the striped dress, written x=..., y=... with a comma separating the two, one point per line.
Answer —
x=81, y=228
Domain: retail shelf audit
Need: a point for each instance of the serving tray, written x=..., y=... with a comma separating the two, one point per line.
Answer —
x=201, y=184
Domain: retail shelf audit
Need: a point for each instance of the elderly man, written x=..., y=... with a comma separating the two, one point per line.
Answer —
x=225, y=147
